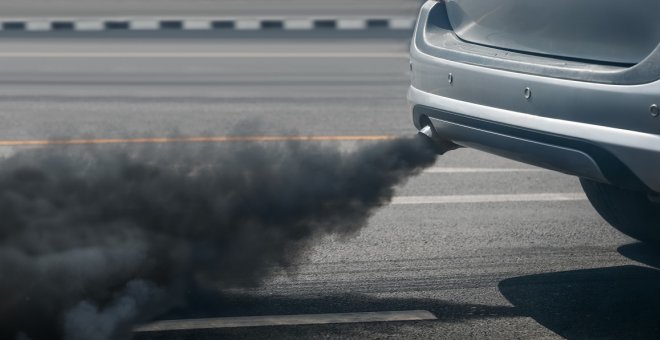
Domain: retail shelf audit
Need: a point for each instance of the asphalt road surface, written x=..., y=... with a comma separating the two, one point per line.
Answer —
x=488, y=246
x=287, y=8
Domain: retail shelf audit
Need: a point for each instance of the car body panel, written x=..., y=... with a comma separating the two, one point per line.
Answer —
x=435, y=36
x=581, y=29
x=614, y=118
x=547, y=155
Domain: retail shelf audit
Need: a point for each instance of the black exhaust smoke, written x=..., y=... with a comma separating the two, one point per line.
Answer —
x=96, y=239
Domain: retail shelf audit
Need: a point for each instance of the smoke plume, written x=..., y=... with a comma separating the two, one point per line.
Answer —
x=96, y=239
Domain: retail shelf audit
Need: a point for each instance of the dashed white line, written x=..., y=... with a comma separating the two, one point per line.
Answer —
x=248, y=24
x=301, y=24
x=89, y=25
x=351, y=24
x=38, y=26
x=452, y=199
x=148, y=25
x=286, y=320
x=196, y=25
x=402, y=23
x=207, y=23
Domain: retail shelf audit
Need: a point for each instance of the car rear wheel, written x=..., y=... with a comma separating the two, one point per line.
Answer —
x=631, y=212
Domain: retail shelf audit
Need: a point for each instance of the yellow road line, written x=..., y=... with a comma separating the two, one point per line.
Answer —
x=210, y=139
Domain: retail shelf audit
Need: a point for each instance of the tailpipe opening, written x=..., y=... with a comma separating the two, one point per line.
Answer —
x=437, y=143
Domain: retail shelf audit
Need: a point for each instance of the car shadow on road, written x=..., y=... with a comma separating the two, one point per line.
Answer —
x=613, y=302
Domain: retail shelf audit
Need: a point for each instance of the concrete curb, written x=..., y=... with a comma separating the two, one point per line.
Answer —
x=203, y=24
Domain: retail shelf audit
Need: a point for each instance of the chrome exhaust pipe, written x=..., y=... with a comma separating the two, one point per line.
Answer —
x=427, y=131
x=438, y=144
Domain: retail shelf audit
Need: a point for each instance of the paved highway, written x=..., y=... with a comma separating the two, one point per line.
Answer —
x=483, y=243
x=287, y=8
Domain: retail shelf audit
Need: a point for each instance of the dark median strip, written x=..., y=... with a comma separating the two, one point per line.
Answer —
x=13, y=26
x=378, y=23
x=116, y=25
x=62, y=26
x=171, y=25
x=272, y=24
x=223, y=25
x=325, y=24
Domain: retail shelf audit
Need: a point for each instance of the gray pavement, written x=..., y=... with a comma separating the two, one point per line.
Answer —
x=102, y=8
x=526, y=269
x=125, y=96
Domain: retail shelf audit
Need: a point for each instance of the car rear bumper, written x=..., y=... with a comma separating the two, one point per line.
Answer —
x=531, y=110
x=621, y=157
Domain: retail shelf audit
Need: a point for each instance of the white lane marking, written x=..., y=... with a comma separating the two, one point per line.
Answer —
x=441, y=170
x=544, y=197
x=247, y=24
x=300, y=24
x=284, y=320
x=351, y=24
x=147, y=25
x=90, y=25
x=402, y=23
x=196, y=25
x=38, y=26
x=162, y=55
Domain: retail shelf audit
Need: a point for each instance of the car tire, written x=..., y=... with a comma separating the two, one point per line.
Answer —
x=629, y=211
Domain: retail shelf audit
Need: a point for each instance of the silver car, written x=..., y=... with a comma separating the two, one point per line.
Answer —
x=568, y=85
